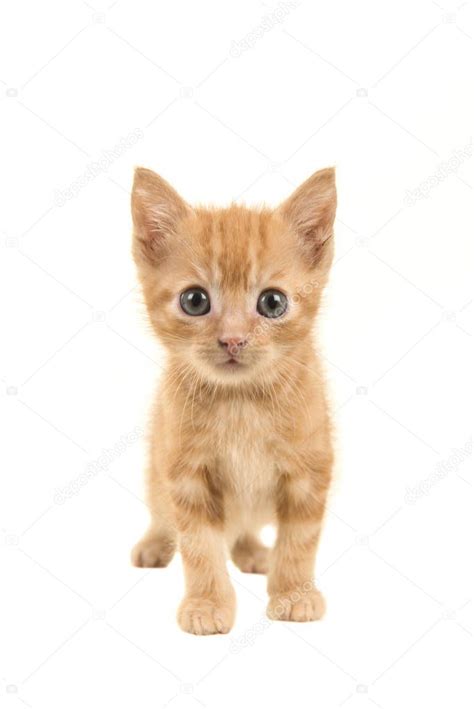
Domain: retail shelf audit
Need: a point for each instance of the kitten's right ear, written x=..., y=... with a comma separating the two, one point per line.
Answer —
x=156, y=211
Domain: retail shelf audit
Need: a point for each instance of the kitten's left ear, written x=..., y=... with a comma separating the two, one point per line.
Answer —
x=311, y=210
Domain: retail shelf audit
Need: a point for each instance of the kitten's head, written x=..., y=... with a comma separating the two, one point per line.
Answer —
x=233, y=292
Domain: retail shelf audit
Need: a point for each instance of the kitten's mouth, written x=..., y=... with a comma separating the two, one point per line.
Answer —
x=231, y=363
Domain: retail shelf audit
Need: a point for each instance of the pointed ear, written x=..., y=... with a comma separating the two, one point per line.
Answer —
x=156, y=211
x=310, y=211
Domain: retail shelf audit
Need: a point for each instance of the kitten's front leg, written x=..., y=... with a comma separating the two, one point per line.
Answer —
x=209, y=604
x=301, y=500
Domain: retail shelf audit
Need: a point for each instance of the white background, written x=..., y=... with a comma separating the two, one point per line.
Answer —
x=236, y=101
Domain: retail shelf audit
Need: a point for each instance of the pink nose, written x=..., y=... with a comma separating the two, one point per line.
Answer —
x=233, y=345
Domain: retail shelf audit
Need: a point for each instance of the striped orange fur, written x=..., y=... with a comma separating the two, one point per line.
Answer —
x=240, y=433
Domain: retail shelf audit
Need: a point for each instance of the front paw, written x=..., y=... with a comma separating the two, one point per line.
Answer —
x=298, y=605
x=206, y=616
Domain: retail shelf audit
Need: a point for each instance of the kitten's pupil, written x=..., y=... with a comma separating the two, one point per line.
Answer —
x=196, y=299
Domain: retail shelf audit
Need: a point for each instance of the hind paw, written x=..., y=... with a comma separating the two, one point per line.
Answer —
x=153, y=552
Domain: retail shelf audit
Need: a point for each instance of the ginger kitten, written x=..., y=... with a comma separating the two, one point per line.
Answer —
x=240, y=435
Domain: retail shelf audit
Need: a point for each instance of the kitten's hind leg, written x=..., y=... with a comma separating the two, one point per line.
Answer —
x=158, y=545
x=156, y=548
x=250, y=555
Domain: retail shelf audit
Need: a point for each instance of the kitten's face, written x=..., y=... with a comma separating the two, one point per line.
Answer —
x=232, y=292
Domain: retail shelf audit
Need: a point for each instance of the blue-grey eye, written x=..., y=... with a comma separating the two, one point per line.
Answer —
x=195, y=301
x=272, y=303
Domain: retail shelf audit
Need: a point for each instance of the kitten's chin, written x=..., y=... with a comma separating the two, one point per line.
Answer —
x=229, y=373
x=232, y=373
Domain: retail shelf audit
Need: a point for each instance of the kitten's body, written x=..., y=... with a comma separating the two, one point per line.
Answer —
x=241, y=438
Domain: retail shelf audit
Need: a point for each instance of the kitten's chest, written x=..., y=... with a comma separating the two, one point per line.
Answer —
x=243, y=437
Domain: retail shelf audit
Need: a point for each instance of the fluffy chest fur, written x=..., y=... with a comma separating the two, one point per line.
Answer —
x=244, y=438
x=243, y=434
